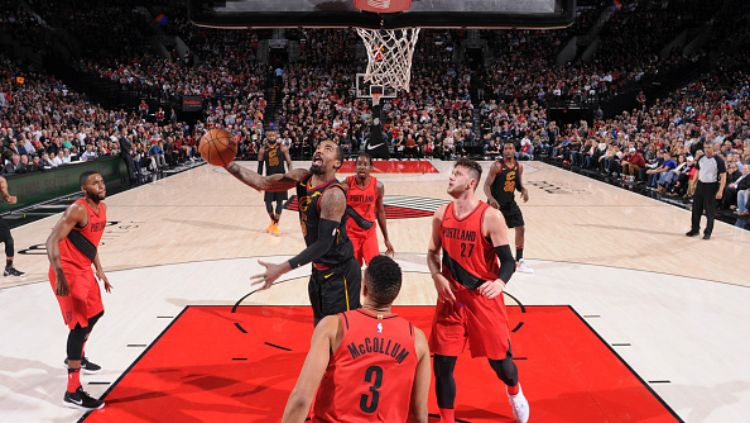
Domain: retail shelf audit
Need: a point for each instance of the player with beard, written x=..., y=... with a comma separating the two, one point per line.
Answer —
x=364, y=194
x=271, y=155
x=335, y=281
x=472, y=236
x=503, y=179
x=72, y=249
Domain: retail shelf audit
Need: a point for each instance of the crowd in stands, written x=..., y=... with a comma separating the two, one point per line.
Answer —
x=44, y=125
x=453, y=108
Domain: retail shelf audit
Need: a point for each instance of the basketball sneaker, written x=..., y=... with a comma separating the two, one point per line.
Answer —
x=269, y=228
x=523, y=267
x=520, y=406
x=81, y=400
x=87, y=367
x=12, y=271
x=275, y=229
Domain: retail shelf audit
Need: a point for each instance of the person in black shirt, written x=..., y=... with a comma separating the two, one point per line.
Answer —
x=335, y=281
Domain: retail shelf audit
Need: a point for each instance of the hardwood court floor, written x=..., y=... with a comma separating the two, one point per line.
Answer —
x=664, y=302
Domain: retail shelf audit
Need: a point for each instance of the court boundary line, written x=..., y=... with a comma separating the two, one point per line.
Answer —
x=625, y=363
x=138, y=359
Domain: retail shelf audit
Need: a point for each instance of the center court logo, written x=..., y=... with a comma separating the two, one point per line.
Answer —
x=396, y=206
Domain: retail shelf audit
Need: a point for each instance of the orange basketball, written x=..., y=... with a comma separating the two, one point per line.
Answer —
x=217, y=147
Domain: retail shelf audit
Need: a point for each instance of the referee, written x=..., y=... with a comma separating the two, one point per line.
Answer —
x=712, y=176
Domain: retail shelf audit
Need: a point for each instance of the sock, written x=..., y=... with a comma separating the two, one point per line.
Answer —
x=74, y=380
x=513, y=390
x=519, y=253
x=447, y=415
x=8, y=263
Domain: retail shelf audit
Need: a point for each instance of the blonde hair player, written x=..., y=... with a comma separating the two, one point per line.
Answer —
x=470, y=285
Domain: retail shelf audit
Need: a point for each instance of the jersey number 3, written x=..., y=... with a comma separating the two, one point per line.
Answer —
x=369, y=402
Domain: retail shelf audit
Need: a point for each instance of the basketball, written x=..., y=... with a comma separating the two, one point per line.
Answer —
x=218, y=147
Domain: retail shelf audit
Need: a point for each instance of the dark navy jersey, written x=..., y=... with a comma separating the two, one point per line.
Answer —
x=506, y=183
x=309, y=216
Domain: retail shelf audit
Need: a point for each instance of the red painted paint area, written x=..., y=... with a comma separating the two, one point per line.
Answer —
x=380, y=166
x=205, y=368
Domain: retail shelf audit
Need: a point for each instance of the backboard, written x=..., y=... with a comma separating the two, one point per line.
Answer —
x=365, y=89
x=343, y=14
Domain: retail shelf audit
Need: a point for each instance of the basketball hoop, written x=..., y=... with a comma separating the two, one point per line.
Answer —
x=389, y=51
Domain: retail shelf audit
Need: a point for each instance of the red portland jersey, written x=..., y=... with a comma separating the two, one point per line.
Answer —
x=78, y=250
x=362, y=200
x=370, y=376
x=468, y=258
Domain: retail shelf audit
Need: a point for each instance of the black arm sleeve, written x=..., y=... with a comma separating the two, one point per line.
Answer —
x=507, y=263
x=327, y=230
x=260, y=167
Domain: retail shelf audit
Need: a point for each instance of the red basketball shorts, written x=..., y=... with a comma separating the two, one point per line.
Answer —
x=84, y=299
x=365, y=246
x=472, y=319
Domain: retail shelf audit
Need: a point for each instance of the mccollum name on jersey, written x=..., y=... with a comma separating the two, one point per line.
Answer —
x=378, y=345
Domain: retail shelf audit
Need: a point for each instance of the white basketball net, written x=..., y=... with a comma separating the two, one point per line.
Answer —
x=389, y=55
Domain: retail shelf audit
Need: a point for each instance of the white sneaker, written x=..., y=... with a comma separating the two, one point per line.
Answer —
x=520, y=406
x=523, y=267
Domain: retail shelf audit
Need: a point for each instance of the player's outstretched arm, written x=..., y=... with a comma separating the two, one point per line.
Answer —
x=74, y=215
x=491, y=175
x=313, y=370
x=278, y=182
x=421, y=388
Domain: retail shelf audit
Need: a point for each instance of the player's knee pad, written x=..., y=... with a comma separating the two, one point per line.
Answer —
x=9, y=248
x=92, y=322
x=445, y=384
x=444, y=365
x=76, y=339
x=506, y=370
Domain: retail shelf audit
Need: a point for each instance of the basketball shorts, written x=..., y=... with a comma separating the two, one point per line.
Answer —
x=512, y=214
x=335, y=290
x=365, y=245
x=84, y=299
x=275, y=196
x=474, y=320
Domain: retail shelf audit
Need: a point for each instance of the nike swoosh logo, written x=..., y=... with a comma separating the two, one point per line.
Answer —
x=79, y=402
x=372, y=147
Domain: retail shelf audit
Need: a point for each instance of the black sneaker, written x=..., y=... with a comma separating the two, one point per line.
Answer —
x=706, y=236
x=12, y=271
x=691, y=233
x=87, y=367
x=81, y=400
